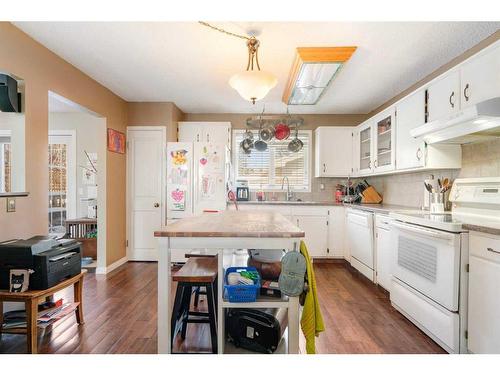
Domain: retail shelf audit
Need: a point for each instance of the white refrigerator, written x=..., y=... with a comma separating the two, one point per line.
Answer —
x=196, y=178
x=196, y=182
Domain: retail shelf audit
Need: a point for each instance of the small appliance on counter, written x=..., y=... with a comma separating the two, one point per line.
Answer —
x=51, y=260
x=242, y=190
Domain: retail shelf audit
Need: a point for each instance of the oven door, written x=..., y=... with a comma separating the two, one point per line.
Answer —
x=427, y=260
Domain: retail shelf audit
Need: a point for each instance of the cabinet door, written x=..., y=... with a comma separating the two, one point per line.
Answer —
x=365, y=148
x=333, y=151
x=384, y=137
x=190, y=132
x=384, y=258
x=480, y=77
x=217, y=132
x=316, y=230
x=410, y=113
x=444, y=96
x=336, y=232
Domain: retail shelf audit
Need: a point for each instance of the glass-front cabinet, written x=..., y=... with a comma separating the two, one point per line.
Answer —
x=375, y=144
x=365, y=140
x=384, y=139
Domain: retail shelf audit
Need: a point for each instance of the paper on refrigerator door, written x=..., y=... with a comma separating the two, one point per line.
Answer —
x=177, y=179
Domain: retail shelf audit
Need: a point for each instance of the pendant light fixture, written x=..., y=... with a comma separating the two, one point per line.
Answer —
x=252, y=84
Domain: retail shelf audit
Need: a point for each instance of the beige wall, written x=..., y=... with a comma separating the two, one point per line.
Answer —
x=155, y=114
x=42, y=71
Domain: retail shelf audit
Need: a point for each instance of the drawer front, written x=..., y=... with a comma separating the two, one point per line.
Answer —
x=442, y=324
x=284, y=210
x=309, y=210
x=484, y=246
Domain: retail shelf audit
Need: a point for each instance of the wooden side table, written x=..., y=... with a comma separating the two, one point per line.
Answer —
x=32, y=298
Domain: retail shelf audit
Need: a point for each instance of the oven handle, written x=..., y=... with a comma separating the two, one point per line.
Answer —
x=424, y=231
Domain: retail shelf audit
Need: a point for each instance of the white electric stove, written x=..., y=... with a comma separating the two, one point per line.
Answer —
x=474, y=201
x=430, y=279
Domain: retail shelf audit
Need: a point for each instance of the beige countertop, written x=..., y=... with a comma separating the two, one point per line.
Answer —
x=288, y=203
x=380, y=208
x=256, y=224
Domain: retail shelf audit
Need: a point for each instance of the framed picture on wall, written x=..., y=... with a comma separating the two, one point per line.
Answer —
x=116, y=141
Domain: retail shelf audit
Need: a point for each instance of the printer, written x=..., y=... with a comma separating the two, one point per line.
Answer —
x=51, y=260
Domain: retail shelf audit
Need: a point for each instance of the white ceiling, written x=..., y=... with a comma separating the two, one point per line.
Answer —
x=190, y=65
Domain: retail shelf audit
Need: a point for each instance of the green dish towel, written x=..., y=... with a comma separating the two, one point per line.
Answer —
x=312, y=320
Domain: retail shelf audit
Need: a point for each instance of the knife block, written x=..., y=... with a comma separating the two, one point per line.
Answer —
x=370, y=195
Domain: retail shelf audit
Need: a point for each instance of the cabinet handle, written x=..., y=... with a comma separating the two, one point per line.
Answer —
x=369, y=164
x=493, y=251
x=324, y=167
x=208, y=137
x=197, y=137
x=375, y=163
x=419, y=153
x=466, y=92
x=452, y=103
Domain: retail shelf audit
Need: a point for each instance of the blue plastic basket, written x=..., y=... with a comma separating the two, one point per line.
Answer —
x=241, y=293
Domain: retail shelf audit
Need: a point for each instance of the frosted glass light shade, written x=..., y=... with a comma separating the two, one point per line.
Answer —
x=253, y=85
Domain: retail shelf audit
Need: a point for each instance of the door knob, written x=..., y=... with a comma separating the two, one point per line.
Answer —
x=157, y=205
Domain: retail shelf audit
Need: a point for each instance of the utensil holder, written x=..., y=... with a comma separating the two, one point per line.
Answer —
x=438, y=202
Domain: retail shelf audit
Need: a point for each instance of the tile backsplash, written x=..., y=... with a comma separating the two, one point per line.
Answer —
x=481, y=159
x=407, y=189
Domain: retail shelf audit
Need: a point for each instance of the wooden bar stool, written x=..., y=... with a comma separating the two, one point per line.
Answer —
x=197, y=272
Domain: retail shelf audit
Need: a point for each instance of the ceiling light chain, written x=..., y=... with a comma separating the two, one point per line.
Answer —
x=224, y=31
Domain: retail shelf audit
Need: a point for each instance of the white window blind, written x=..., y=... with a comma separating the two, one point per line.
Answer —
x=267, y=169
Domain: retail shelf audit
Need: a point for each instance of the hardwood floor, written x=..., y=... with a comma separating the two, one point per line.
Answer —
x=120, y=316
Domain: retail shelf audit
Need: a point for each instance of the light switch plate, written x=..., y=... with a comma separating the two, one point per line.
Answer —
x=11, y=204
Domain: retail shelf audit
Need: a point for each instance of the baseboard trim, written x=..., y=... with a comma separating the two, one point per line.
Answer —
x=111, y=267
x=330, y=260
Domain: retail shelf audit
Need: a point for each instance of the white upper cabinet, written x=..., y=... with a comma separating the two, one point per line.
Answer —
x=365, y=148
x=219, y=132
x=384, y=138
x=480, y=77
x=333, y=151
x=443, y=96
x=410, y=113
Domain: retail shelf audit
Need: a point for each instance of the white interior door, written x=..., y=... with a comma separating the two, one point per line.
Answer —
x=145, y=166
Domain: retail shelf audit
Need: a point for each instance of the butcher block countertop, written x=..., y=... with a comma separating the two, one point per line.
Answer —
x=257, y=224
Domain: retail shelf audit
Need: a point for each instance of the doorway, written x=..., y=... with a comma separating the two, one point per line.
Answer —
x=77, y=178
x=146, y=155
x=62, y=176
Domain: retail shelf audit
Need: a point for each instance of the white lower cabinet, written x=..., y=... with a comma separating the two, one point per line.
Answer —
x=383, y=252
x=324, y=226
x=316, y=229
x=484, y=302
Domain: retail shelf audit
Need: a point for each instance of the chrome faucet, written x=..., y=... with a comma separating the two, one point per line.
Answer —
x=289, y=194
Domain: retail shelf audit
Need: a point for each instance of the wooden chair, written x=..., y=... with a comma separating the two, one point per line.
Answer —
x=196, y=273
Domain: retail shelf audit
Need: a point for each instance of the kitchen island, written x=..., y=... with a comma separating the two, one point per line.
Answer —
x=218, y=232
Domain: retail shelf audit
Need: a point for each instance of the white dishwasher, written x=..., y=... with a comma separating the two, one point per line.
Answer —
x=484, y=297
x=360, y=233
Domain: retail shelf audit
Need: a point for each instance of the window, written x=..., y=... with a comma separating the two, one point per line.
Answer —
x=266, y=170
x=5, y=164
x=62, y=173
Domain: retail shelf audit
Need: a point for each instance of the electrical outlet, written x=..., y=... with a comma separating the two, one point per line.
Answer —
x=11, y=204
x=322, y=186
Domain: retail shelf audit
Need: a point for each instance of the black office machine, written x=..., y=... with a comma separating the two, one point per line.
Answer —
x=51, y=260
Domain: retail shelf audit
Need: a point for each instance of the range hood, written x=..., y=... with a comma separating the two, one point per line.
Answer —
x=475, y=123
